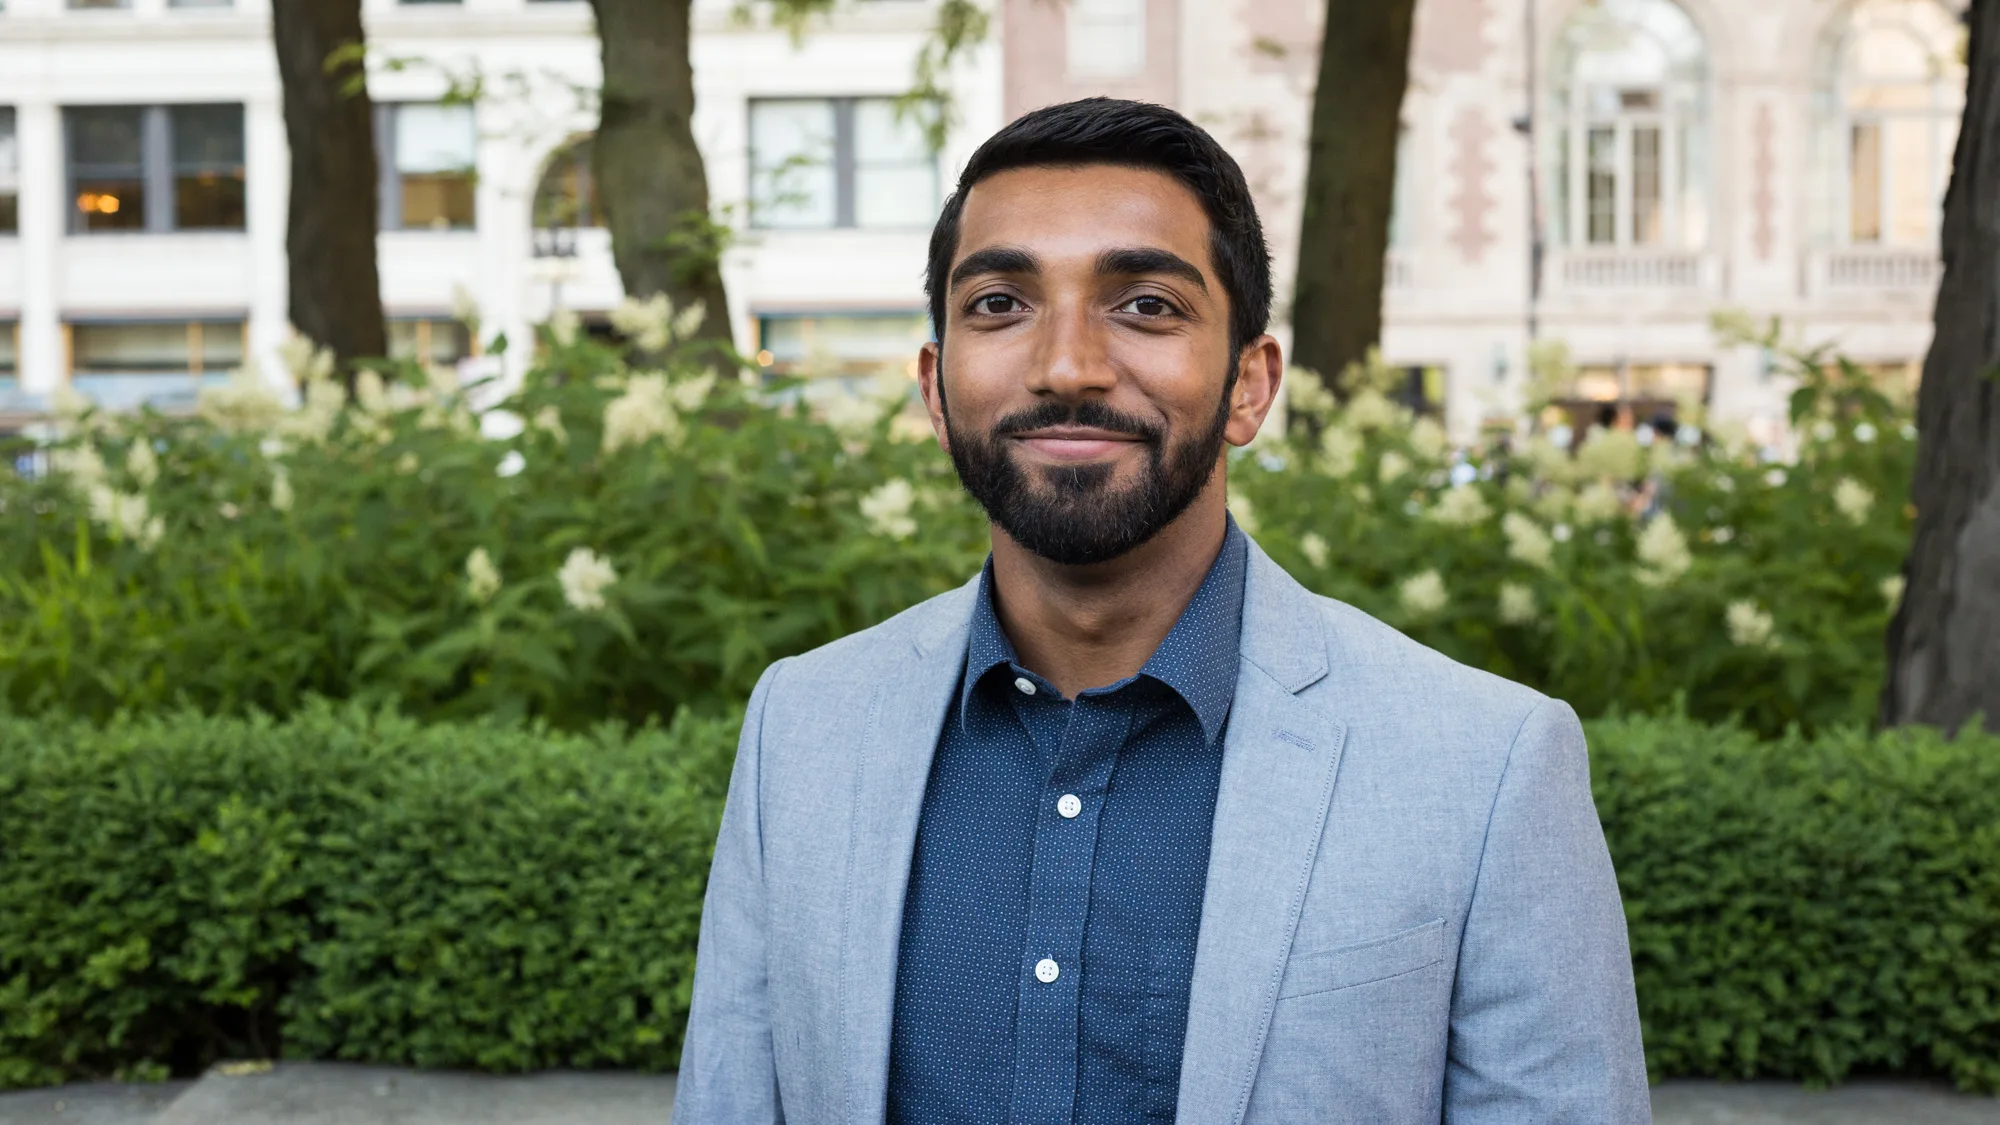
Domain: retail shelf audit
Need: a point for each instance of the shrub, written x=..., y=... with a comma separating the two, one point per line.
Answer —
x=650, y=540
x=344, y=885
x=502, y=896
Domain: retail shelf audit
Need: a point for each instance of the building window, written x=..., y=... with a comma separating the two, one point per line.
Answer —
x=123, y=365
x=155, y=168
x=854, y=348
x=429, y=341
x=817, y=163
x=427, y=152
x=86, y=5
x=10, y=173
x=201, y=3
x=1890, y=105
x=1107, y=38
x=567, y=194
x=1631, y=136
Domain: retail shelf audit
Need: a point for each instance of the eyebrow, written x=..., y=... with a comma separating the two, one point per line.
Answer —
x=1122, y=262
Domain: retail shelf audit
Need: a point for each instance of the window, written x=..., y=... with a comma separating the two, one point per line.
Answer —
x=853, y=347
x=81, y=5
x=817, y=163
x=10, y=173
x=433, y=343
x=1107, y=38
x=1630, y=138
x=1890, y=104
x=201, y=3
x=127, y=364
x=12, y=400
x=567, y=194
x=427, y=152
x=155, y=168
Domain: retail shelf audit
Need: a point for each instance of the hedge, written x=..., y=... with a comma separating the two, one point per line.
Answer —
x=347, y=884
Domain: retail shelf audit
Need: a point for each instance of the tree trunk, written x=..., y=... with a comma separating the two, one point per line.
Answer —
x=336, y=293
x=649, y=172
x=1944, y=643
x=1364, y=65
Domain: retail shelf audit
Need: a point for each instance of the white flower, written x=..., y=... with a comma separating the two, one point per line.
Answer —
x=689, y=395
x=1723, y=534
x=464, y=306
x=687, y=322
x=1339, y=451
x=549, y=421
x=1775, y=478
x=281, y=490
x=1428, y=439
x=564, y=325
x=1392, y=465
x=1461, y=507
x=1313, y=548
x=82, y=464
x=1892, y=589
x=1596, y=503
x=1527, y=542
x=1663, y=552
x=324, y=401
x=1423, y=594
x=127, y=514
x=1369, y=410
x=648, y=323
x=229, y=511
x=887, y=509
x=370, y=393
x=1864, y=433
x=853, y=415
x=1749, y=625
x=305, y=360
x=1853, y=499
x=246, y=404
x=1244, y=511
x=1560, y=533
x=1823, y=430
x=407, y=464
x=584, y=577
x=511, y=464
x=1554, y=503
x=642, y=413
x=1517, y=604
x=482, y=578
x=1610, y=453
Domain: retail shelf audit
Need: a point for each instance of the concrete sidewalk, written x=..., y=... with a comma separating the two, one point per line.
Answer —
x=347, y=1094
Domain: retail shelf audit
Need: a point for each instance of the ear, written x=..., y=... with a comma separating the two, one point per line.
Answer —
x=1259, y=370
x=930, y=374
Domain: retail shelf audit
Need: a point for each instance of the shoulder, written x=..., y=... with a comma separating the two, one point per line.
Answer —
x=862, y=659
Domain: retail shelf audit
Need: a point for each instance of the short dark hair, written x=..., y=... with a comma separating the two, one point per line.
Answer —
x=1136, y=135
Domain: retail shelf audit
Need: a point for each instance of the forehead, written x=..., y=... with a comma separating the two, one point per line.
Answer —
x=1076, y=211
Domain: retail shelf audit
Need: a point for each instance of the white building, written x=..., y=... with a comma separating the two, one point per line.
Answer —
x=1784, y=157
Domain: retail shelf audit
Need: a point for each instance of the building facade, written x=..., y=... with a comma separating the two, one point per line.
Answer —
x=1668, y=157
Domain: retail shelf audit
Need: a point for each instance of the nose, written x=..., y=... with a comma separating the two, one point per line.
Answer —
x=1071, y=361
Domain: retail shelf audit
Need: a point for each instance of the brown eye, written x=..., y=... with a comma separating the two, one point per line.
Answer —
x=995, y=304
x=1148, y=306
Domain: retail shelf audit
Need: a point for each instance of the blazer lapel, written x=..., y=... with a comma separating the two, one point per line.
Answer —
x=1280, y=757
x=905, y=716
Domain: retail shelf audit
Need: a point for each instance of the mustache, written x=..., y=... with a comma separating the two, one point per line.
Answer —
x=1090, y=413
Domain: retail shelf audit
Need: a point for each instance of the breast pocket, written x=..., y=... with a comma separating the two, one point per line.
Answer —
x=1330, y=970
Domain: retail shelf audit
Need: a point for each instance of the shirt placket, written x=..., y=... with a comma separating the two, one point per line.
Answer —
x=1058, y=905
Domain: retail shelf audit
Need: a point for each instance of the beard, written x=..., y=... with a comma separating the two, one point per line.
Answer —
x=1077, y=514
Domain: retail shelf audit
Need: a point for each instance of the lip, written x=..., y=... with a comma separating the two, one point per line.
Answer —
x=1076, y=443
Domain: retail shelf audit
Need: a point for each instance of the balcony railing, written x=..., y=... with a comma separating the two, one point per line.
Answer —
x=1601, y=270
x=1876, y=268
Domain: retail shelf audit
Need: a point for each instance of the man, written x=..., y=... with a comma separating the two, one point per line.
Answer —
x=1132, y=827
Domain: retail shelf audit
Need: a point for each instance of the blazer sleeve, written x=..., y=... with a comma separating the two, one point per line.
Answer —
x=728, y=1074
x=1544, y=1020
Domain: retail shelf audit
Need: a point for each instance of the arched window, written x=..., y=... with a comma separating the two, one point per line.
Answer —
x=1630, y=127
x=1890, y=100
x=567, y=195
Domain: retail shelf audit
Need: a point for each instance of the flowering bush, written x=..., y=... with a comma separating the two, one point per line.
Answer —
x=634, y=541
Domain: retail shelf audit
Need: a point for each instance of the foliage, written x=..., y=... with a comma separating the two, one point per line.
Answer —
x=644, y=540
x=344, y=885
x=1806, y=908
x=251, y=557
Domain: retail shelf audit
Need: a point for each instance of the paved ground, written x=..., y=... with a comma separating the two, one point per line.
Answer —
x=341, y=1094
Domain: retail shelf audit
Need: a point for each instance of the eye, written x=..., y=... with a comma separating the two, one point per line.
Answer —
x=996, y=304
x=1149, y=305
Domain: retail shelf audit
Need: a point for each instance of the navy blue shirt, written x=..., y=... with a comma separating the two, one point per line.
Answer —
x=1055, y=894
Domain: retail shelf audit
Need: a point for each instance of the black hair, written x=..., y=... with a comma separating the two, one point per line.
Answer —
x=1136, y=135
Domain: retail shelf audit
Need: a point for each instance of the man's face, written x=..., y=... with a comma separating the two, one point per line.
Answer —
x=1087, y=391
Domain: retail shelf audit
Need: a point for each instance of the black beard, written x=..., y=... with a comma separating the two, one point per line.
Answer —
x=1076, y=517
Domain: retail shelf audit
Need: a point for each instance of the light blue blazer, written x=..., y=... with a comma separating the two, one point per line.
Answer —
x=1410, y=913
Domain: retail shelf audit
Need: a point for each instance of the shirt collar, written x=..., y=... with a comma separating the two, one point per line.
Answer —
x=1198, y=659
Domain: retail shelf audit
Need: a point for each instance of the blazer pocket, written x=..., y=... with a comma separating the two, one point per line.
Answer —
x=1363, y=962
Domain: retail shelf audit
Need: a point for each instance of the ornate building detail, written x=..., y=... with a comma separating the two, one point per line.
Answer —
x=1471, y=200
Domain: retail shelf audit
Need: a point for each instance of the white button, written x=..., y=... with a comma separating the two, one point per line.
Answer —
x=1068, y=806
x=1026, y=685
x=1046, y=971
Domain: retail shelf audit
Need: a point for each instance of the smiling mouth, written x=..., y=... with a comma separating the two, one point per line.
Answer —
x=1076, y=443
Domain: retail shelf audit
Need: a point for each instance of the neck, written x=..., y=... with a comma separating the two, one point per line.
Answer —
x=1081, y=627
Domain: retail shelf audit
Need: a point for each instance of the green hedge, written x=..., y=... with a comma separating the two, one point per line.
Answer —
x=349, y=885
